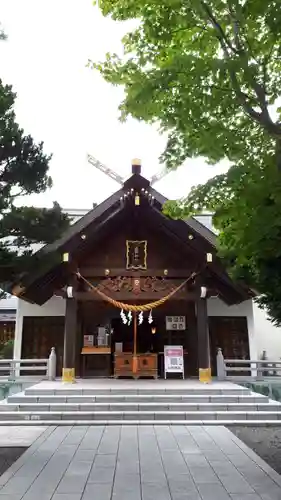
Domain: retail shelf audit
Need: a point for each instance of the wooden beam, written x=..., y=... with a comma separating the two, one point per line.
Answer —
x=97, y=272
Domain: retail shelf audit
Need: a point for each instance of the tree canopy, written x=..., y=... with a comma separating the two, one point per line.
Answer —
x=23, y=171
x=209, y=74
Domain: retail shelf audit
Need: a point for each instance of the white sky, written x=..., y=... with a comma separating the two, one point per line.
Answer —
x=71, y=108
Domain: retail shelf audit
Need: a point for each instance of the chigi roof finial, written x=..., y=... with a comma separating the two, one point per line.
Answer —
x=136, y=166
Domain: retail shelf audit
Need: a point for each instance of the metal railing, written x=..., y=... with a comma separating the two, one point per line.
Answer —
x=243, y=368
x=13, y=368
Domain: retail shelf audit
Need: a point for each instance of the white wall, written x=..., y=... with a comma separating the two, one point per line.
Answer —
x=9, y=303
x=268, y=336
x=53, y=307
x=217, y=307
x=263, y=335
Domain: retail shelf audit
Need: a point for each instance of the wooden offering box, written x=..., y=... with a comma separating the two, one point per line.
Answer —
x=146, y=365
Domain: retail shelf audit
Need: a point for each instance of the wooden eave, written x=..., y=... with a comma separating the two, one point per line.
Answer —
x=38, y=286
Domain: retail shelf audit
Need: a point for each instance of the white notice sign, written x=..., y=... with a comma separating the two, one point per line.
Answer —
x=175, y=322
x=173, y=359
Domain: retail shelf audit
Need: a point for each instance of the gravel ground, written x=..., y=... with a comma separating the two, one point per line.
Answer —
x=8, y=456
x=265, y=441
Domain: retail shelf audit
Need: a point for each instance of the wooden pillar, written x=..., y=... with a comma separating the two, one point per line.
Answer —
x=70, y=331
x=204, y=363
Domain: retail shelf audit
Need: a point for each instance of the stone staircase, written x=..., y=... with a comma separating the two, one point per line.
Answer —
x=134, y=402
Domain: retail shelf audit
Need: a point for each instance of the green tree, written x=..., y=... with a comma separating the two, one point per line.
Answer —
x=23, y=171
x=209, y=74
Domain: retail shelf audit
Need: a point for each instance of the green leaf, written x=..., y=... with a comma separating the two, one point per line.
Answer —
x=206, y=72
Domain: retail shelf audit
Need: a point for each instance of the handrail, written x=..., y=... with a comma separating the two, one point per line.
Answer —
x=248, y=361
x=258, y=368
x=15, y=366
x=23, y=361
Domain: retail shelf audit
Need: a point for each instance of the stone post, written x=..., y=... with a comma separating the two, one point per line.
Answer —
x=221, y=371
x=52, y=364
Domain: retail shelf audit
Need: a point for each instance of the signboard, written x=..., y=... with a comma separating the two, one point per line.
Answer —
x=88, y=340
x=102, y=340
x=173, y=359
x=175, y=322
x=118, y=346
x=11, y=316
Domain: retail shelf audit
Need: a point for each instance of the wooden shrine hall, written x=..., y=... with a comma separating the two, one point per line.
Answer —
x=133, y=281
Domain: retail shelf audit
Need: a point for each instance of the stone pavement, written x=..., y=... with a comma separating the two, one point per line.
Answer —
x=139, y=463
x=19, y=435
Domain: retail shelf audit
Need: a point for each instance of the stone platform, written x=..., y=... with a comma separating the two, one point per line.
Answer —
x=139, y=463
x=138, y=402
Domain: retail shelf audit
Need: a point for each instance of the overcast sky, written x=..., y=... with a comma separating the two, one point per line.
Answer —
x=71, y=108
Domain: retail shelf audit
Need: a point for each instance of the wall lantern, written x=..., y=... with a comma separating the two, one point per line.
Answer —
x=65, y=257
x=209, y=257
x=153, y=330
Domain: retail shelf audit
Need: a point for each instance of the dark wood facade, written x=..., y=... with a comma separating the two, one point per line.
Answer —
x=96, y=248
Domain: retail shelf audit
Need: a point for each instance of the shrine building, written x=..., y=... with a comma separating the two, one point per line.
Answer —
x=125, y=281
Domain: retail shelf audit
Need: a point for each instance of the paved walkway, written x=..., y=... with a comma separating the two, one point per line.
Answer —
x=139, y=463
x=19, y=435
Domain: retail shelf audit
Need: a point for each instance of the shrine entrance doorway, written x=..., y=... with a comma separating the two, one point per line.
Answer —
x=110, y=338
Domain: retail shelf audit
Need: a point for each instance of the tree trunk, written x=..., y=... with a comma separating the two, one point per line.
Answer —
x=278, y=153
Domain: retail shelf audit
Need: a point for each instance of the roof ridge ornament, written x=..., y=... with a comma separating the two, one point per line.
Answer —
x=136, y=169
x=136, y=166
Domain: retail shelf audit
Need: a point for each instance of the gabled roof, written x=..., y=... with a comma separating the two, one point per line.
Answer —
x=50, y=272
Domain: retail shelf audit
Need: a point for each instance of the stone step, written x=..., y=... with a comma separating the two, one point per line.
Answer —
x=165, y=390
x=139, y=407
x=143, y=416
x=229, y=423
x=138, y=398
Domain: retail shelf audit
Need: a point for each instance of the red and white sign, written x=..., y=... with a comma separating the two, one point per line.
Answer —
x=173, y=359
x=88, y=340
